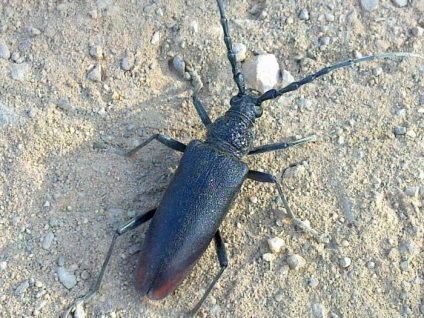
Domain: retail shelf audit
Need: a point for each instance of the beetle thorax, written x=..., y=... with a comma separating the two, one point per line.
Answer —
x=233, y=133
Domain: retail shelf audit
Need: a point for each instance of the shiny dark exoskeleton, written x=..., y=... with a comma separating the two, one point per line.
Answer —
x=208, y=179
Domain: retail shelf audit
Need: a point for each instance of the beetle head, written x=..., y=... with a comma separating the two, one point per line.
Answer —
x=247, y=105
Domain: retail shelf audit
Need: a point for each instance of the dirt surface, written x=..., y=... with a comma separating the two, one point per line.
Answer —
x=361, y=184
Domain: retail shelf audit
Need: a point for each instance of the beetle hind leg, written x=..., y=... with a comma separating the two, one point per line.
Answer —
x=223, y=263
x=266, y=177
x=130, y=225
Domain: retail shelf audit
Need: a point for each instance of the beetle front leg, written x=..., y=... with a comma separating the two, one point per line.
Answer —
x=130, y=225
x=163, y=139
x=281, y=145
x=266, y=177
x=223, y=263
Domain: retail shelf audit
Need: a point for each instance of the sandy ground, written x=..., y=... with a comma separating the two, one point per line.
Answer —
x=361, y=185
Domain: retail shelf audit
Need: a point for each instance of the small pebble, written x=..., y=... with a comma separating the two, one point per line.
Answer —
x=296, y=261
x=377, y=71
x=406, y=311
x=4, y=50
x=324, y=40
x=179, y=64
x=53, y=222
x=313, y=282
x=345, y=262
x=400, y=3
x=287, y=78
x=47, y=241
x=412, y=191
x=127, y=62
x=85, y=275
x=411, y=134
x=68, y=280
x=22, y=288
x=96, y=51
x=155, y=38
x=318, y=310
x=63, y=103
x=329, y=17
x=417, y=31
x=253, y=200
x=408, y=250
x=79, y=311
x=34, y=31
x=275, y=244
x=405, y=266
x=268, y=257
x=193, y=27
x=240, y=50
x=3, y=265
x=422, y=100
x=95, y=74
x=399, y=130
x=369, y=5
x=61, y=261
x=20, y=72
x=304, y=15
x=304, y=104
x=370, y=265
x=401, y=112
x=345, y=243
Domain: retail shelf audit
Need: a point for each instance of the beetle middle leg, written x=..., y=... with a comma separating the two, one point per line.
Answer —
x=281, y=145
x=130, y=225
x=269, y=178
x=163, y=139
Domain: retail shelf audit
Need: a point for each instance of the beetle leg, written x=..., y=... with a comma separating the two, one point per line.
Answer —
x=266, y=177
x=130, y=225
x=201, y=111
x=163, y=139
x=223, y=263
x=281, y=145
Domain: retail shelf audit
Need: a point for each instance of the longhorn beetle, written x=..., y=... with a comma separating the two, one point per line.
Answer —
x=208, y=179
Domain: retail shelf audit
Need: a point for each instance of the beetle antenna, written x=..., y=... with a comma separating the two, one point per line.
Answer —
x=237, y=75
x=273, y=93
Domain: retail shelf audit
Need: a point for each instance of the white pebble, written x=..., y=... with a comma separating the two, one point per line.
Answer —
x=268, y=257
x=68, y=280
x=96, y=51
x=261, y=72
x=412, y=191
x=400, y=3
x=275, y=244
x=155, y=38
x=240, y=51
x=20, y=72
x=345, y=262
x=95, y=74
x=287, y=78
x=47, y=241
x=4, y=50
x=318, y=310
x=296, y=261
x=127, y=62
x=194, y=27
x=369, y=5
x=179, y=64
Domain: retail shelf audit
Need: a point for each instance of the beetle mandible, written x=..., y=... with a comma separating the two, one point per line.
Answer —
x=205, y=184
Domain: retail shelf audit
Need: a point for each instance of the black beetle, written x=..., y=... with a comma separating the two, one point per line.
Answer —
x=208, y=179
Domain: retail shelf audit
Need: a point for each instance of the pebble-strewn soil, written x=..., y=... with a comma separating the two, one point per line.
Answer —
x=73, y=73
